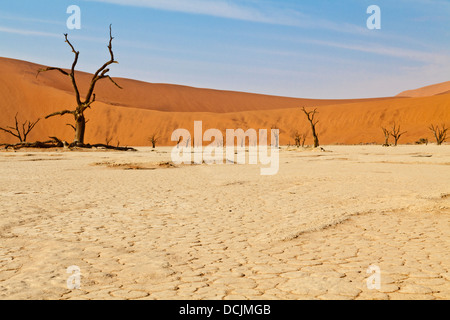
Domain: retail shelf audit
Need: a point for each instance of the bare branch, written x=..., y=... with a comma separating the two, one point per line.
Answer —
x=30, y=127
x=10, y=132
x=15, y=131
x=101, y=73
x=113, y=82
x=72, y=72
x=73, y=127
x=50, y=69
x=60, y=113
x=88, y=105
x=71, y=46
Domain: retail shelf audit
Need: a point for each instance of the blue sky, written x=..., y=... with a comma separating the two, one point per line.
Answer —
x=310, y=48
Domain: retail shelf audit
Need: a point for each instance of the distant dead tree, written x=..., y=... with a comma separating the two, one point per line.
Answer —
x=396, y=134
x=303, y=138
x=386, y=136
x=439, y=133
x=153, y=139
x=179, y=139
x=311, y=118
x=422, y=141
x=108, y=140
x=15, y=131
x=300, y=139
x=297, y=139
x=276, y=135
x=83, y=104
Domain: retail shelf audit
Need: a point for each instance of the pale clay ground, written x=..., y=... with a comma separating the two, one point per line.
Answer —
x=225, y=231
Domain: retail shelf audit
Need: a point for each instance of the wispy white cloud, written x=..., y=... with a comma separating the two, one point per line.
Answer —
x=252, y=11
x=217, y=8
x=16, y=18
x=25, y=32
x=440, y=3
x=395, y=52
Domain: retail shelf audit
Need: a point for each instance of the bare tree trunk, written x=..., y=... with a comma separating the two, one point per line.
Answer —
x=316, y=138
x=80, y=129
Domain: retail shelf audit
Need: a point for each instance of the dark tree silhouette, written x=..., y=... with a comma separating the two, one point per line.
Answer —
x=396, y=133
x=15, y=131
x=153, y=139
x=297, y=139
x=311, y=115
x=386, y=136
x=83, y=104
x=439, y=133
x=276, y=134
x=304, y=136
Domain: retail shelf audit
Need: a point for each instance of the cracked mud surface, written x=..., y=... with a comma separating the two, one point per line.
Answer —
x=224, y=231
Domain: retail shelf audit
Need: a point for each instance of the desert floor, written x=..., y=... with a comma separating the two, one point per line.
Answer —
x=138, y=228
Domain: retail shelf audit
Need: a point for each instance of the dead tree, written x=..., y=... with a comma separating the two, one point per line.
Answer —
x=439, y=133
x=83, y=104
x=179, y=139
x=300, y=139
x=57, y=143
x=311, y=115
x=153, y=139
x=386, y=136
x=396, y=134
x=297, y=139
x=15, y=131
x=108, y=140
x=422, y=141
x=53, y=143
x=303, y=138
x=276, y=135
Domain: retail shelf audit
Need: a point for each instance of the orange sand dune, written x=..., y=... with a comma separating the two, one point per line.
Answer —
x=161, y=97
x=428, y=91
x=131, y=115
